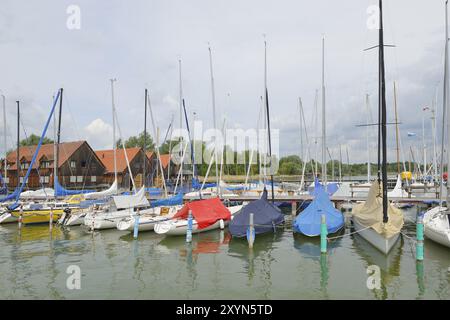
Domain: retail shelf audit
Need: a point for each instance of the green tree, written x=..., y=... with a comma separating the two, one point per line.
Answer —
x=137, y=141
x=33, y=140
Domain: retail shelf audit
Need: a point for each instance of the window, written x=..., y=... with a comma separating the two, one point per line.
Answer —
x=24, y=165
x=44, y=179
x=79, y=178
x=6, y=180
x=93, y=178
x=45, y=164
x=73, y=179
x=83, y=164
x=73, y=164
x=21, y=179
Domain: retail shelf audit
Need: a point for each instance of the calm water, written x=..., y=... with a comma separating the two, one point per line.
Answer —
x=33, y=264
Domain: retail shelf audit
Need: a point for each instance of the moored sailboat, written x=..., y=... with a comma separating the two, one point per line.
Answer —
x=376, y=220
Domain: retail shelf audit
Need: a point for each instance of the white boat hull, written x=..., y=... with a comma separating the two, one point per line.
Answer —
x=148, y=219
x=179, y=227
x=7, y=218
x=436, y=226
x=105, y=220
x=377, y=240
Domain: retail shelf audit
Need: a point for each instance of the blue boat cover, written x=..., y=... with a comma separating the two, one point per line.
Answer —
x=60, y=191
x=265, y=217
x=10, y=196
x=308, y=221
x=154, y=191
x=197, y=185
x=172, y=201
x=331, y=188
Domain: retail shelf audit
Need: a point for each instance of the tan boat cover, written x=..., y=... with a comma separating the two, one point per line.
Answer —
x=370, y=213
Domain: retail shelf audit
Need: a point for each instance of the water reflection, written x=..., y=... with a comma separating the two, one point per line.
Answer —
x=389, y=264
x=259, y=259
x=309, y=247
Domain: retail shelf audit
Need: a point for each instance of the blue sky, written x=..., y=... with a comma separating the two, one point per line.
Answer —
x=140, y=42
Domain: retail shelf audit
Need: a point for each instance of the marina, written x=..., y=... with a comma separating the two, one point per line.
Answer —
x=177, y=188
x=280, y=266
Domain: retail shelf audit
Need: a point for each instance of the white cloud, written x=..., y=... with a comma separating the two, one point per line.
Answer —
x=99, y=134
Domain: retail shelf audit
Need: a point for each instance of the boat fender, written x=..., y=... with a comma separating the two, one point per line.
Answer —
x=221, y=224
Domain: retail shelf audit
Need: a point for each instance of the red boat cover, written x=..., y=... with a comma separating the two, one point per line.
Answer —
x=205, y=212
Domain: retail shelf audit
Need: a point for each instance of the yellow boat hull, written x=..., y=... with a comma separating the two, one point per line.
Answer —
x=38, y=216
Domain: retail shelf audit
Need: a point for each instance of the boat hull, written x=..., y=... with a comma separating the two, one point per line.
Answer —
x=377, y=240
x=37, y=216
x=148, y=219
x=179, y=227
x=436, y=226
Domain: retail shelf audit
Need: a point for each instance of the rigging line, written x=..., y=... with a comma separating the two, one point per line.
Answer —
x=75, y=124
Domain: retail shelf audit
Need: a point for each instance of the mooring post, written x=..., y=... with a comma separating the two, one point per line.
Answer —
x=419, y=238
x=323, y=235
x=251, y=232
x=20, y=217
x=51, y=218
x=294, y=209
x=136, y=224
x=189, y=228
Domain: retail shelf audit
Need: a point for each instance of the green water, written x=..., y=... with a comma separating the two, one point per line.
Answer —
x=33, y=264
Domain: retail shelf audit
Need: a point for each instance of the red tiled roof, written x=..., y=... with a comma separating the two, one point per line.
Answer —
x=66, y=150
x=107, y=158
x=165, y=158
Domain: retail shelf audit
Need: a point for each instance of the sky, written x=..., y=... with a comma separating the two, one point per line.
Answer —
x=139, y=43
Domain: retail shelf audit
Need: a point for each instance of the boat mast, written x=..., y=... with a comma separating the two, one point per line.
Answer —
x=383, y=115
x=396, y=128
x=446, y=99
x=18, y=145
x=57, y=141
x=324, y=142
x=340, y=163
x=4, y=136
x=433, y=125
x=145, y=139
x=368, y=140
x=316, y=133
x=268, y=119
x=424, y=149
x=114, y=129
x=213, y=96
x=181, y=120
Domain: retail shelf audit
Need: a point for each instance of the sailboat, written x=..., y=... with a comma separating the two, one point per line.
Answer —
x=160, y=210
x=265, y=216
x=437, y=220
x=308, y=222
x=376, y=220
x=32, y=213
x=208, y=214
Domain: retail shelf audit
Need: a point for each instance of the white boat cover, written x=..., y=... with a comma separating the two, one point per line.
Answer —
x=132, y=201
x=102, y=194
x=344, y=190
x=370, y=213
x=398, y=192
x=41, y=193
